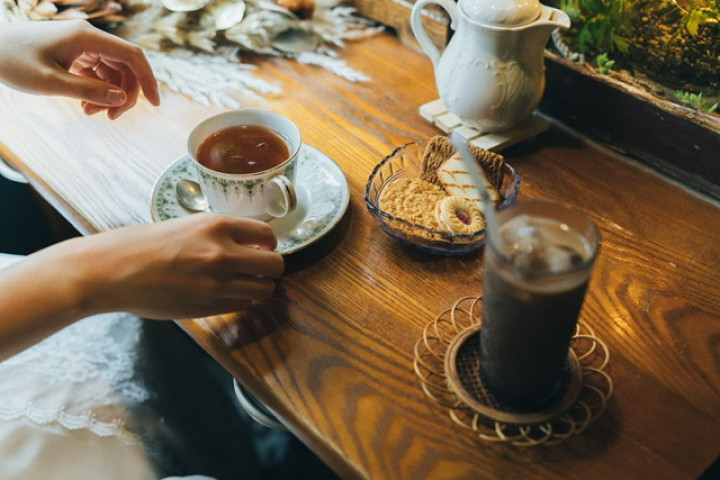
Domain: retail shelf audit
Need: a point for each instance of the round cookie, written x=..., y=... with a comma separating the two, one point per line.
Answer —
x=459, y=215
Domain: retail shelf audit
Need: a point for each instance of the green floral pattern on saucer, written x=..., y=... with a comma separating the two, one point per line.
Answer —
x=322, y=189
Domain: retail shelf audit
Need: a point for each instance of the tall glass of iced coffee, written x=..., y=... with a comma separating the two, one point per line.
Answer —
x=535, y=283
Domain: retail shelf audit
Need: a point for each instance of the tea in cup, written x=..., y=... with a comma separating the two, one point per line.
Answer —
x=245, y=162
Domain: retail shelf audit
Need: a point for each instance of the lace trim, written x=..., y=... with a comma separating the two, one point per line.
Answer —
x=80, y=378
x=59, y=416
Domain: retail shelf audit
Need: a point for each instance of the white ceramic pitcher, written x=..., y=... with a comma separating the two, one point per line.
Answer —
x=492, y=72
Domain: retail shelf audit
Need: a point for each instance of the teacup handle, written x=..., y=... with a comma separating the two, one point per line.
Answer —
x=419, y=30
x=287, y=202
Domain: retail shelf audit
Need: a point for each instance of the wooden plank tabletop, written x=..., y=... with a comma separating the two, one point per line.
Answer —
x=332, y=353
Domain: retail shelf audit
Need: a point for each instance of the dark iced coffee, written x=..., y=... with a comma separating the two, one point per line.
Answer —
x=533, y=293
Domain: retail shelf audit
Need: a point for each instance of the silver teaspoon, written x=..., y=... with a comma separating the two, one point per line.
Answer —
x=190, y=196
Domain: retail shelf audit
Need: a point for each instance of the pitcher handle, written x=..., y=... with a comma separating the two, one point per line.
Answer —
x=419, y=31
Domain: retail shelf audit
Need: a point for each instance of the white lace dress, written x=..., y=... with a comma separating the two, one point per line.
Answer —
x=65, y=404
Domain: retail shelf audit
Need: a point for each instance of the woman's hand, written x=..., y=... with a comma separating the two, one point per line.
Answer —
x=74, y=59
x=200, y=265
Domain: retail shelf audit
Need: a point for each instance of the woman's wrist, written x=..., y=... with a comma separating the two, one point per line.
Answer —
x=71, y=278
x=39, y=295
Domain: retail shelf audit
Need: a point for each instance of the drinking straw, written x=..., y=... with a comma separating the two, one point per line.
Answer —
x=473, y=169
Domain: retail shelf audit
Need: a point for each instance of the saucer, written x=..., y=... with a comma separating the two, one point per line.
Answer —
x=322, y=191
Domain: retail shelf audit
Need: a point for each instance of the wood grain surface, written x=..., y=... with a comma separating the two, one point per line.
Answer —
x=332, y=353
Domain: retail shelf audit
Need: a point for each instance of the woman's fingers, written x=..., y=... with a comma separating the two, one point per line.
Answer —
x=245, y=231
x=248, y=288
x=91, y=108
x=92, y=90
x=121, y=77
x=250, y=261
x=248, y=245
x=130, y=84
x=118, y=53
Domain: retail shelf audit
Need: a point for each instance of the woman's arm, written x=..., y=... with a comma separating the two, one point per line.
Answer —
x=195, y=266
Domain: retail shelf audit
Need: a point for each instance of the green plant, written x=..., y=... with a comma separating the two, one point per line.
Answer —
x=695, y=101
x=601, y=24
x=604, y=25
x=604, y=63
x=696, y=14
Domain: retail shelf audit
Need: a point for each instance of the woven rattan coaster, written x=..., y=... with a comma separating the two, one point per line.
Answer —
x=447, y=361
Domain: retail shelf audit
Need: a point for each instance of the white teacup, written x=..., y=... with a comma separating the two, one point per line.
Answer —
x=262, y=195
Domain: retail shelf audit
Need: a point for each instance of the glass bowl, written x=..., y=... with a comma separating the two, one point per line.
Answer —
x=406, y=162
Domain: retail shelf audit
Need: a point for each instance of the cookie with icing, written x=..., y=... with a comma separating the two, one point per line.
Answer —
x=459, y=215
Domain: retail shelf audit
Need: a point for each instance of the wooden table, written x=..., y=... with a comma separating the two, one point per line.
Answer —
x=332, y=355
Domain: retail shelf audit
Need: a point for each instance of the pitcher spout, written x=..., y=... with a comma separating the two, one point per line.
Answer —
x=550, y=19
x=534, y=36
